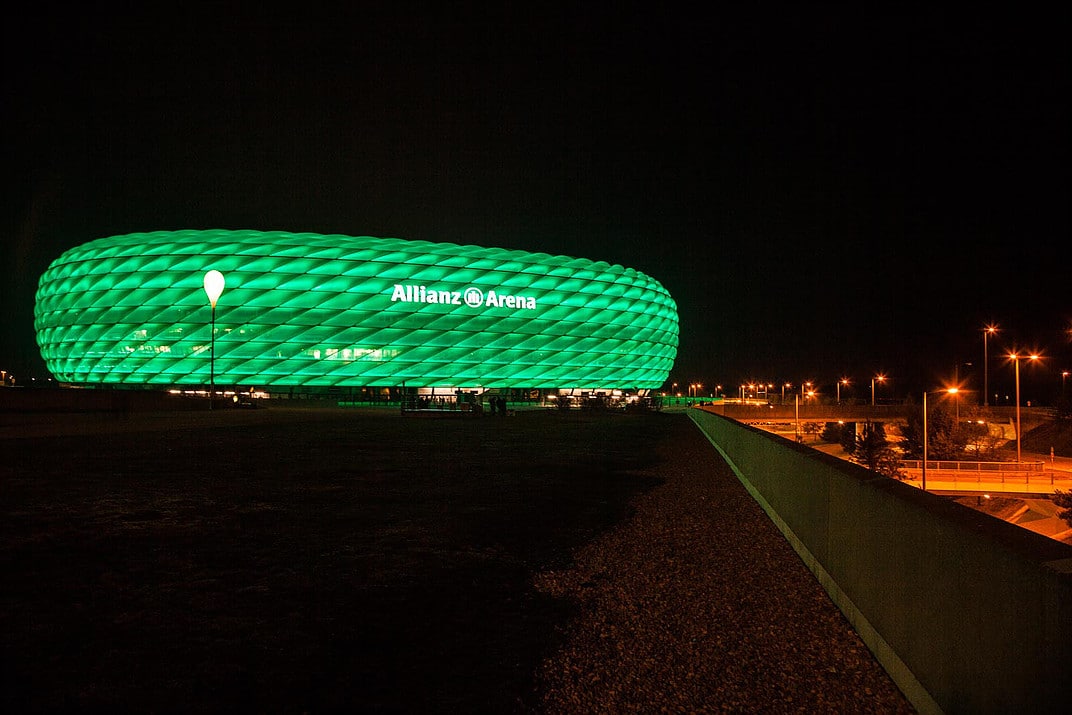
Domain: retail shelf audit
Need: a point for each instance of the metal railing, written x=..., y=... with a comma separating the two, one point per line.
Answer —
x=982, y=467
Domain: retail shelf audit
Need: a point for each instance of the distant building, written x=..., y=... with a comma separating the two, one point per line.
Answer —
x=302, y=309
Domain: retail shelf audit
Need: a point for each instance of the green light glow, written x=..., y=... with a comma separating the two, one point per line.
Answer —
x=310, y=309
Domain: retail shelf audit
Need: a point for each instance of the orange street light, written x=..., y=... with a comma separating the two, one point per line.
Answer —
x=843, y=381
x=876, y=378
x=1016, y=358
x=987, y=331
x=951, y=391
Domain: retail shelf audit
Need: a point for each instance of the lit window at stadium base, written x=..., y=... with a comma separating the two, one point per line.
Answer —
x=305, y=309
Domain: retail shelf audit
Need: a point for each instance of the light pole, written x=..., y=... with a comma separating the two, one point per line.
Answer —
x=879, y=378
x=1016, y=358
x=1064, y=376
x=796, y=413
x=214, y=283
x=924, y=462
x=843, y=381
x=951, y=391
x=988, y=330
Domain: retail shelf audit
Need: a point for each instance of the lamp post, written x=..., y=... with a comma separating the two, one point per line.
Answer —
x=924, y=462
x=214, y=283
x=879, y=378
x=988, y=330
x=952, y=391
x=843, y=381
x=1016, y=358
x=796, y=413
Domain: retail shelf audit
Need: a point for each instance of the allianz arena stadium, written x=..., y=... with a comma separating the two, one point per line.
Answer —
x=303, y=309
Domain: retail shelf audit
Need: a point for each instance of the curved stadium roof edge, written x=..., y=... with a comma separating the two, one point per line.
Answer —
x=331, y=310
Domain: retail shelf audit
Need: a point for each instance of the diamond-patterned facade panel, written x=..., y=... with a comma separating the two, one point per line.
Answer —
x=303, y=309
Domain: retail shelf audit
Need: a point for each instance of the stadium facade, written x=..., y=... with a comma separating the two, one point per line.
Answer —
x=303, y=309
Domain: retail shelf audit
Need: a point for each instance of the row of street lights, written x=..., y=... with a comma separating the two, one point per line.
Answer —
x=807, y=388
x=693, y=389
x=1015, y=357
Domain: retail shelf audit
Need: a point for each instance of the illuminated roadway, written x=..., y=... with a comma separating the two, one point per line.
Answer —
x=1056, y=473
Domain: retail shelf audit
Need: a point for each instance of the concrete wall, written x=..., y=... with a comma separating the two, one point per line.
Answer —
x=969, y=614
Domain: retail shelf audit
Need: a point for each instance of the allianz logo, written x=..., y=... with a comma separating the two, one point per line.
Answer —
x=472, y=297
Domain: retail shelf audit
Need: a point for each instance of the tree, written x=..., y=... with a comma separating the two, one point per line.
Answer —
x=832, y=432
x=944, y=439
x=848, y=437
x=875, y=453
x=1064, y=500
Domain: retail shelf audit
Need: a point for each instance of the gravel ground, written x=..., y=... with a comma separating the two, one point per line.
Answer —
x=698, y=604
x=331, y=560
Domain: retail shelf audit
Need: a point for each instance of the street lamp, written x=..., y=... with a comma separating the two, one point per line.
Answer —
x=843, y=381
x=214, y=283
x=1016, y=358
x=879, y=378
x=951, y=391
x=988, y=330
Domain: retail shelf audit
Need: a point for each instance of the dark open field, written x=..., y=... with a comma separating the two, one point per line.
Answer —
x=325, y=560
x=297, y=559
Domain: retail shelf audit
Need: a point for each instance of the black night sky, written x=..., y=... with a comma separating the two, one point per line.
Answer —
x=823, y=192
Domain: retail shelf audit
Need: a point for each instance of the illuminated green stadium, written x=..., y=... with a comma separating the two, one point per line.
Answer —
x=305, y=309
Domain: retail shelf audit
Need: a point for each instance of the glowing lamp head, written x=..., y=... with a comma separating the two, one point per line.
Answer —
x=214, y=283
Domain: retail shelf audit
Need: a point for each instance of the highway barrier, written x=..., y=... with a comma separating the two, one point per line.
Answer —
x=968, y=614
